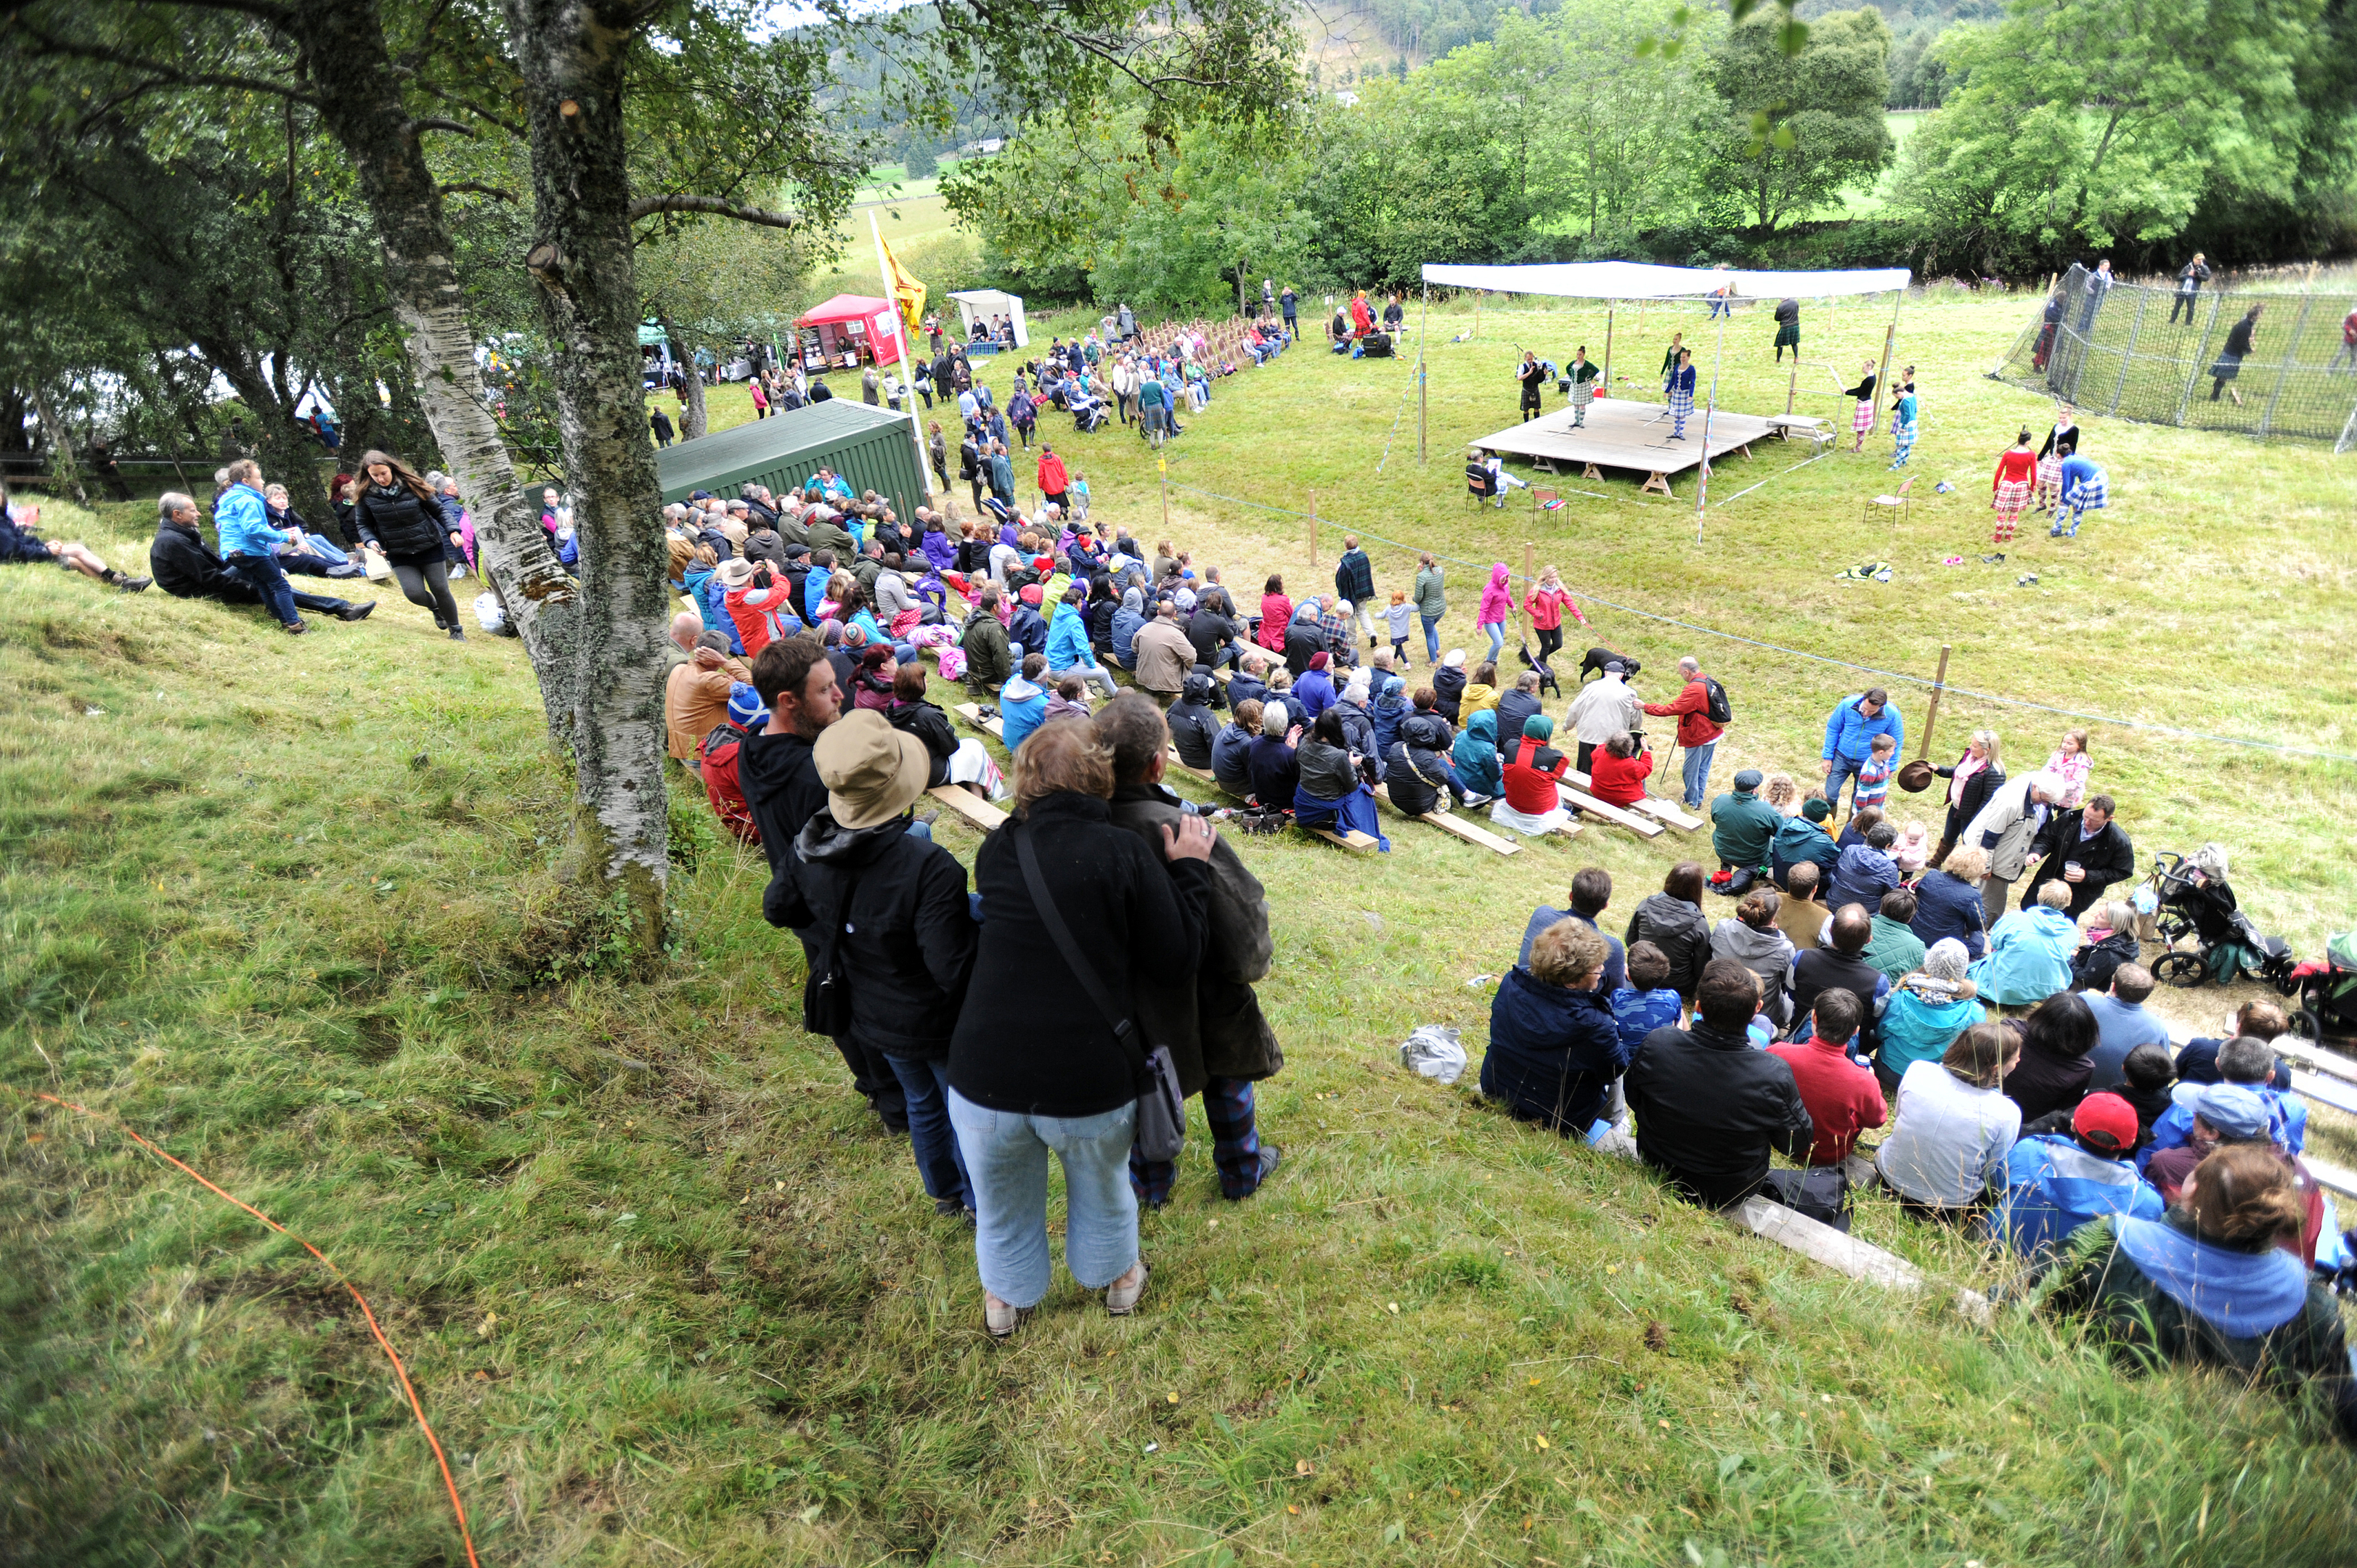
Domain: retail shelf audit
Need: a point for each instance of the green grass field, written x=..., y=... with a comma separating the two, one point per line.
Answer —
x=285, y=905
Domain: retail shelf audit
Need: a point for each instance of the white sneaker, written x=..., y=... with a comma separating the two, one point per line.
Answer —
x=1121, y=1296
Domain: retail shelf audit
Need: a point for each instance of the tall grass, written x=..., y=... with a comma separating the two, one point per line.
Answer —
x=671, y=1294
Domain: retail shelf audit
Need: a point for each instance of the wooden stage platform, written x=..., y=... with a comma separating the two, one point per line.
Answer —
x=1621, y=434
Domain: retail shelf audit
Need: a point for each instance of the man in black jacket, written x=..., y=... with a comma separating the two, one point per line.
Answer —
x=1842, y=967
x=1220, y=1041
x=185, y=569
x=1709, y=1108
x=1216, y=638
x=2091, y=839
x=783, y=791
x=1354, y=579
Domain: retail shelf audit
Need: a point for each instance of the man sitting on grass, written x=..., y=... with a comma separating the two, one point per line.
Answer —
x=185, y=569
x=20, y=544
x=1843, y=1097
x=1710, y=1110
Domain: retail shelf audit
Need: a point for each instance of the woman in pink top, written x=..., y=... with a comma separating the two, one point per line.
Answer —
x=1545, y=605
x=1497, y=603
x=1275, y=615
x=2017, y=470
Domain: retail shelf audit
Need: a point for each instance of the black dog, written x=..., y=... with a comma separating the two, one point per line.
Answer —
x=1597, y=657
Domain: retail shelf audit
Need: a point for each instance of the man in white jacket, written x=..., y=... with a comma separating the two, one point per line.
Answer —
x=1603, y=707
x=2004, y=826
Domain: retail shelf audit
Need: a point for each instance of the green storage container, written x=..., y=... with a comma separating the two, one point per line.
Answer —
x=872, y=448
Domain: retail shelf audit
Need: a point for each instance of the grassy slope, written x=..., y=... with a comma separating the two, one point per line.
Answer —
x=297, y=942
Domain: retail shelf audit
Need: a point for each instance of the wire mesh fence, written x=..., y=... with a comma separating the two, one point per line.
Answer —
x=2266, y=363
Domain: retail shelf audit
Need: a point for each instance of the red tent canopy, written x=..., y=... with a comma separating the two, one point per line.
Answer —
x=871, y=317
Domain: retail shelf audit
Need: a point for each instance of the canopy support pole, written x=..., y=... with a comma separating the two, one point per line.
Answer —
x=1608, y=352
x=1882, y=380
x=908, y=366
x=1702, y=486
x=1423, y=318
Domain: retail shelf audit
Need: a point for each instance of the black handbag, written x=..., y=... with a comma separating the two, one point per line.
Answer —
x=1161, y=1129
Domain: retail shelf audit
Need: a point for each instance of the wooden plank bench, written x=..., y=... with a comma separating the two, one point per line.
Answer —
x=1644, y=826
x=971, y=714
x=1349, y=839
x=2332, y=1064
x=1454, y=824
x=1662, y=811
x=1842, y=1253
x=977, y=810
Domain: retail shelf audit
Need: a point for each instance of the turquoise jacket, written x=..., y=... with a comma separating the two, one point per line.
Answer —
x=2029, y=957
x=1476, y=755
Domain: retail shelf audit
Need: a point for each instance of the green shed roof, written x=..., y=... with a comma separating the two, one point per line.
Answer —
x=872, y=448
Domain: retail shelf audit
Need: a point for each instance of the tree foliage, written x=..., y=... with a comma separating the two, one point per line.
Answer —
x=1797, y=128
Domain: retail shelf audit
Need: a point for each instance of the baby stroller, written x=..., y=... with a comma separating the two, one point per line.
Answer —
x=2191, y=897
x=2327, y=990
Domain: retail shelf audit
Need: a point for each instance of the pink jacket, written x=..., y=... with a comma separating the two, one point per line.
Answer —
x=1497, y=599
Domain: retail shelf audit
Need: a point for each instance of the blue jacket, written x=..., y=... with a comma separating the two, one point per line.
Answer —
x=1476, y=755
x=1387, y=710
x=1801, y=840
x=2029, y=957
x=1946, y=905
x=2287, y=1119
x=813, y=590
x=1026, y=626
x=1068, y=640
x=1316, y=690
x=242, y=519
x=1022, y=708
x=1637, y=1014
x=1616, y=961
x=1916, y=1029
x=1232, y=757
x=1861, y=875
x=1553, y=1053
x=712, y=599
x=1849, y=734
x=1126, y=624
x=2052, y=1186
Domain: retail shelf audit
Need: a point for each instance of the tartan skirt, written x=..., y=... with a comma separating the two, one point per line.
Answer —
x=2049, y=472
x=1863, y=419
x=2088, y=495
x=2012, y=495
x=1681, y=403
x=1788, y=335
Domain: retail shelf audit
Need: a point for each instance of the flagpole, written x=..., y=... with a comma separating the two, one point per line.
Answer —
x=907, y=365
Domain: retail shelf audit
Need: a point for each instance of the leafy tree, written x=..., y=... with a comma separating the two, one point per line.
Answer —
x=1798, y=127
x=2090, y=121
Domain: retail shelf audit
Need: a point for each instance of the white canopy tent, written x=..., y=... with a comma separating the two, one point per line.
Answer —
x=1612, y=281
x=990, y=302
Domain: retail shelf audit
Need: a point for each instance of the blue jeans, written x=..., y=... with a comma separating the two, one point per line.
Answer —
x=1497, y=630
x=320, y=547
x=261, y=575
x=1007, y=1159
x=940, y=1165
x=1845, y=770
x=1235, y=1146
x=1697, y=769
x=1431, y=638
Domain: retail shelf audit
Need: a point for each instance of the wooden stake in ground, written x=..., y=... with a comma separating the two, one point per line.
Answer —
x=1882, y=378
x=1931, y=713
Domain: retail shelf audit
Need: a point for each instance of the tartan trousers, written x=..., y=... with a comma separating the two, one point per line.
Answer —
x=1235, y=1146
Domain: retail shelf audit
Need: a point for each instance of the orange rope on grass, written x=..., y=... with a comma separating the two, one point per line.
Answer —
x=415, y=1406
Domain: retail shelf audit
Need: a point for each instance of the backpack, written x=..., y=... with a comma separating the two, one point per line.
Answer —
x=1719, y=711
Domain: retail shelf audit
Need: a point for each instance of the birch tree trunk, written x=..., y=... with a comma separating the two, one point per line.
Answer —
x=345, y=54
x=693, y=419
x=572, y=55
x=61, y=458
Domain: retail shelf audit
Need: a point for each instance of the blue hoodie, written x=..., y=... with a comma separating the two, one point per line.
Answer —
x=1849, y=734
x=1022, y=708
x=1475, y=754
x=1387, y=710
x=1861, y=875
x=1315, y=691
x=1067, y=639
x=242, y=519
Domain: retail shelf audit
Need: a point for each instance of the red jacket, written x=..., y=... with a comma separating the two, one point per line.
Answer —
x=1275, y=615
x=1546, y=607
x=720, y=753
x=1691, y=707
x=1052, y=479
x=1619, y=780
x=1530, y=782
x=1843, y=1097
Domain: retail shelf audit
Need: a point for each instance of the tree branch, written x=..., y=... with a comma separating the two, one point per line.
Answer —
x=648, y=205
x=159, y=71
x=513, y=127
x=436, y=123
x=454, y=187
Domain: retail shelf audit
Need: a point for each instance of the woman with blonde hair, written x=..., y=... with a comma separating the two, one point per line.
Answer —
x=1972, y=779
x=2210, y=1282
x=1547, y=603
x=1044, y=1057
x=1781, y=792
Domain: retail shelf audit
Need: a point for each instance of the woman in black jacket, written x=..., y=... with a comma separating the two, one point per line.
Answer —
x=895, y=932
x=1673, y=921
x=1035, y=1064
x=399, y=515
x=1983, y=769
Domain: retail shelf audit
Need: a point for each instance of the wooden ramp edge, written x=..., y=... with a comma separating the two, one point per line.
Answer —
x=1664, y=812
x=1455, y=826
x=1842, y=1253
x=971, y=714
x=965, y=803
x=1613, y=814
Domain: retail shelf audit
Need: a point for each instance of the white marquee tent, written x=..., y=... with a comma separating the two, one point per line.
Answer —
x=1643, y=280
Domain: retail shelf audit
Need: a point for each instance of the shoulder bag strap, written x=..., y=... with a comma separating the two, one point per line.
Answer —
x=1124, y=1030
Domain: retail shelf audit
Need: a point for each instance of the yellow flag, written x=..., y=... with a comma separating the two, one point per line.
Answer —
x=907, y=292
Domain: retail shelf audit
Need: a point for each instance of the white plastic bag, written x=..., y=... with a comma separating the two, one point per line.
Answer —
x=491, y=614
x=1433, y=1051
